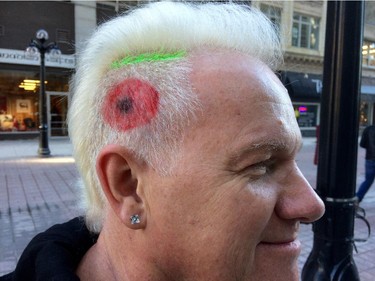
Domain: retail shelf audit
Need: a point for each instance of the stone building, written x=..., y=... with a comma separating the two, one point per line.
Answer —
x=302, y=28
x=301, y=25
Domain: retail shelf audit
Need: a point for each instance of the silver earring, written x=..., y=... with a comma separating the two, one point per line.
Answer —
x=134, y=219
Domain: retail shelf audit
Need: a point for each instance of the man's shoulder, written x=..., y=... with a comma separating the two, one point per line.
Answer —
x=55, y=253
x=7, y=277
x=370, y=130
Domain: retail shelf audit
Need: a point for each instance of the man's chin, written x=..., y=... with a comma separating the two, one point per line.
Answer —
x=276, y=262
x=275, y=274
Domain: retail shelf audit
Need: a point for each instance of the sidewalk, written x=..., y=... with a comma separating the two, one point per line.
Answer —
x=60, y=147
x=36, y=193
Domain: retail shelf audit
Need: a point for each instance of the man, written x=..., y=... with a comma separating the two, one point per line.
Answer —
x=368, y=143
x=186, y=143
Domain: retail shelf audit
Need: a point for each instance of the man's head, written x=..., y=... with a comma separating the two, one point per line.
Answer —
x=130, y=50
x=179, y=119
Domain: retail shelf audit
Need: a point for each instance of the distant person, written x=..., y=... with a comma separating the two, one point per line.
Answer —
x=186, y=143
x=368, y=143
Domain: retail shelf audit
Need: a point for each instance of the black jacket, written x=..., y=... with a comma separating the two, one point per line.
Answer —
x=54, y=254
x=368, y=142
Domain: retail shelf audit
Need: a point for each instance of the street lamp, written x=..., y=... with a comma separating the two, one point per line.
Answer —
x=39, y=46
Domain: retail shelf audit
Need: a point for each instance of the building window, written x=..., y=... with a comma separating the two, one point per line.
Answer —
x=305, y=32
x=241, y=2
x=19, y=100
x=106, y=10
x=62, y=36
x=306, y=114
x=273, y=13
x=368, y=54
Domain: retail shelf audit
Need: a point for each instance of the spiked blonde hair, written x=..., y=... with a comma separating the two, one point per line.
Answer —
x=121, y=49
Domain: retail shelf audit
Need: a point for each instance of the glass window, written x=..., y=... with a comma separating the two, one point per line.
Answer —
x=58, y=105
x=363, y=114
x=106, y=10
x=368, y=53
x=306, y=114
x=305, y=32
x=19, y=98
x=273, y=13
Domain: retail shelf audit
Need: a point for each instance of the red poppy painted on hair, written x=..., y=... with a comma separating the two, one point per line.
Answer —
x=130, y=104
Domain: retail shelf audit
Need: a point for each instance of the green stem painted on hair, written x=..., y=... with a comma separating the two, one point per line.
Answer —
x=147, y=57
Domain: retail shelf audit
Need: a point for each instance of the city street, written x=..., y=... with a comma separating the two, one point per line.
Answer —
x=36, y=193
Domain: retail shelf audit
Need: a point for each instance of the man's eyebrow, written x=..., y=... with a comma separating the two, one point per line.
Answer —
x=264, y=146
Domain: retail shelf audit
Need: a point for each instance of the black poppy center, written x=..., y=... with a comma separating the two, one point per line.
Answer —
x=125, y=105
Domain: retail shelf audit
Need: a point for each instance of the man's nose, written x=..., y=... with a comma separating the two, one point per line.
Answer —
x=298, y=200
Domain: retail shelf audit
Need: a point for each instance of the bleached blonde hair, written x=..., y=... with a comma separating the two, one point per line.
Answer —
x=160, y=27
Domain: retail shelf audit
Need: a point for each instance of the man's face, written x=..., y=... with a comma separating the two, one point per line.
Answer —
x=231, y=208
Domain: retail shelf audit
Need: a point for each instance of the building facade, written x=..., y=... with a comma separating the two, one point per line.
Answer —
x=301, y=25
x=69, y=24
x=19, y=73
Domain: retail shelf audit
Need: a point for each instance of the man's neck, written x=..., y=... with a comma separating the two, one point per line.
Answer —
x=95, y=264
x=108, y=261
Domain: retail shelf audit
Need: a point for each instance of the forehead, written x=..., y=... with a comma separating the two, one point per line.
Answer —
x=243, y=98
x=234, y=72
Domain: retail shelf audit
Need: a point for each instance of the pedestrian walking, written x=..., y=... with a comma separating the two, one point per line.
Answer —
x=367, y=142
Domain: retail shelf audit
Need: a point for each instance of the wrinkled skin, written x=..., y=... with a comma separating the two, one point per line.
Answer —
x=230, y=209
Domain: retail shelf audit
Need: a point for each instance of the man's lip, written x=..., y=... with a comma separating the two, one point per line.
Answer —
x=288, y=241
x=293, y=245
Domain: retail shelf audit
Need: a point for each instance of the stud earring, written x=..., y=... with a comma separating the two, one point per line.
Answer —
x=134, y=219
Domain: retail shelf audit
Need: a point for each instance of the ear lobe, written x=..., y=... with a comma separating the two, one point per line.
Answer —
x=118, y=175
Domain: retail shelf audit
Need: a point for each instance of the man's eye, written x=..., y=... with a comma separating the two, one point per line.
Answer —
x=260, y=169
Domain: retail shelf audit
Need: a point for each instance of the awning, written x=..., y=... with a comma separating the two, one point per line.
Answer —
x=307, y=86
x=303, y=85
x=368, y=90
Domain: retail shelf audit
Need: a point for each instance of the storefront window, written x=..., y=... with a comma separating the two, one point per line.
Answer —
x=19, y=98
x=306, y=114
x=364, y=114
x=368, y=54
x=58, y=104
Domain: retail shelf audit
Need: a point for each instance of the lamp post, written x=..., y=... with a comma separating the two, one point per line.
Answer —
x=332, y=255
x=41, y=47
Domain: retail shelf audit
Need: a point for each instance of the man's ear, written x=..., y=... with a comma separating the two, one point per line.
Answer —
x=118, y=171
